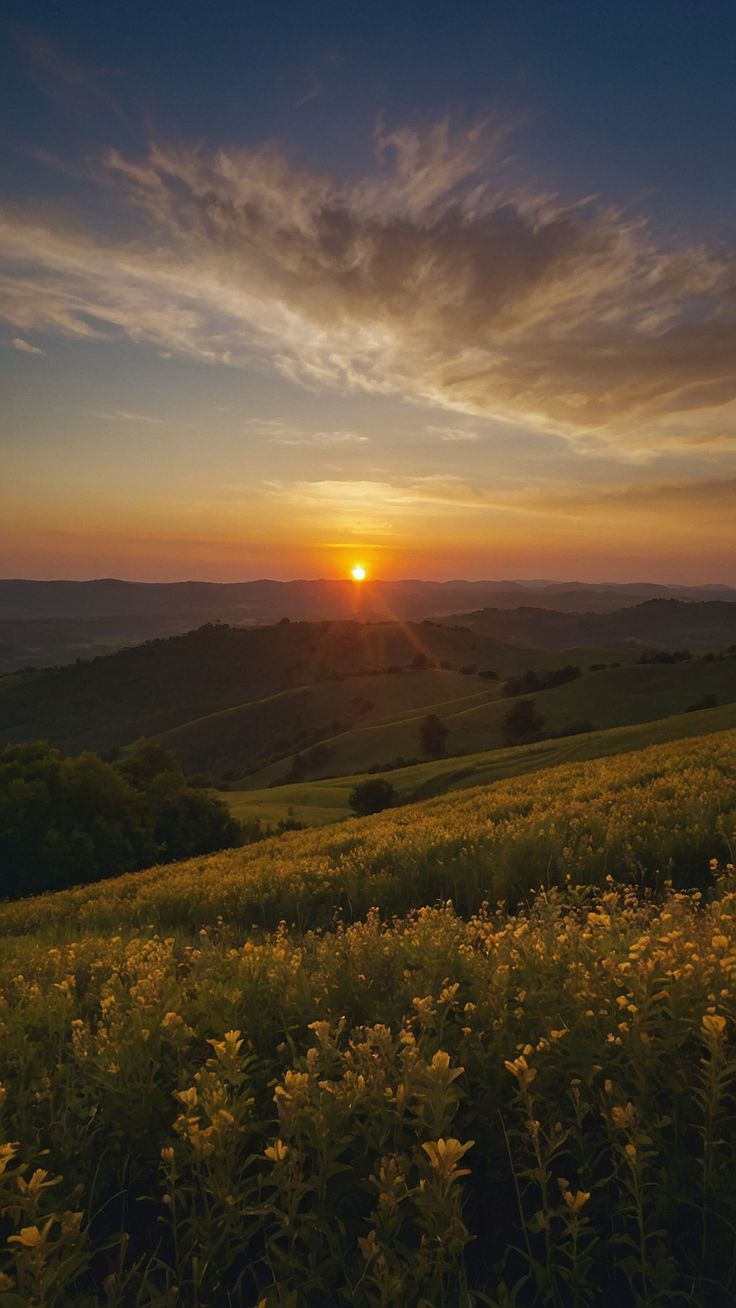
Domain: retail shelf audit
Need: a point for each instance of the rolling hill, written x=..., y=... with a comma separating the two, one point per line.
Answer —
x=319, y=802
x=611, y=697
x=661, y=622
x=155, y=687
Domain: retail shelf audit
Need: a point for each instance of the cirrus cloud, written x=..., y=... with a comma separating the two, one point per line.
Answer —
x=429, y=279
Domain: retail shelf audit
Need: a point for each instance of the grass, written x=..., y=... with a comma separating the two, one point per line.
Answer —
x=614, y=697
x=235, y=1082
x=316, y=803
x=239, y=737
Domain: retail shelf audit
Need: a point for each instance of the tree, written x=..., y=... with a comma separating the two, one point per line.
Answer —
x=433, y=735
x=522, y=723
x=372, y=796
x=66, y=821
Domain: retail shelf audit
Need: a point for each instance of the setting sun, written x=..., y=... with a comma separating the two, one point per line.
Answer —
x=358, y=572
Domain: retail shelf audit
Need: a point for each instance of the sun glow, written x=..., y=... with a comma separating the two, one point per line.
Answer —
x=358, y=573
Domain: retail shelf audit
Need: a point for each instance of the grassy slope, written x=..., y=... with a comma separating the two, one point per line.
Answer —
x=239, y=736
x=668, y=808
x=321, y=802
x=615, y=697
x=154, y=688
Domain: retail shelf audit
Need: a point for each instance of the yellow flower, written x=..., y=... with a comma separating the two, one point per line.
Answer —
x=7, y=1154
x=623, y=1117
x=277, y=1152
x=30, y=1237
x=713, y=1026
x=444, y=1155
x=521, y=1070
x=576, y=1200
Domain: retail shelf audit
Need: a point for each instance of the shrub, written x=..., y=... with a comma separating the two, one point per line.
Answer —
x=372, y=796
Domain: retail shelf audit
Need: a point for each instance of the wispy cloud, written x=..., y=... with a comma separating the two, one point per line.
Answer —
x=25, y=346
x=288, y=433
x=453, y=434
x=126, y=415
x=429, y=279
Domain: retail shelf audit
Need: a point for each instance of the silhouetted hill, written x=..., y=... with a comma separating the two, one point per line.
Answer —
x=666, y=623
x=51, y=622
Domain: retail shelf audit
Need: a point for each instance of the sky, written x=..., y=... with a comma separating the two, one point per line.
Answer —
x=447, y=290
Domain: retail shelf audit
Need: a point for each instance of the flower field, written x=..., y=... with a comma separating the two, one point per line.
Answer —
x=332, y=1069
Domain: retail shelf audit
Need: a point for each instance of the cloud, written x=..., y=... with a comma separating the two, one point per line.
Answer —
x=25, y=346
x=286, y=433
x=429, y=279
x=454, y=434
x=125, y=415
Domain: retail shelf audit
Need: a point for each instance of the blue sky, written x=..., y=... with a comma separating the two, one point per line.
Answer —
x=447, y=287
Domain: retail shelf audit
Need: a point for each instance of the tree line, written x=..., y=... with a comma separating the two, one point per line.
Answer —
x=68, y=820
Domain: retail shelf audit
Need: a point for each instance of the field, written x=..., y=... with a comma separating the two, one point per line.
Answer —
x=330, y=1069
x=315, y=803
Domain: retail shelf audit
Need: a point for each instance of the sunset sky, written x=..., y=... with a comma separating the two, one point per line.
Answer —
x=446, y=289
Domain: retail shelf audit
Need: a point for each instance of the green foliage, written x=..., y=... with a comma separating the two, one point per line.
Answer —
x=372, y=796
x=66, y=821
x=522, y=723
x=546, y=679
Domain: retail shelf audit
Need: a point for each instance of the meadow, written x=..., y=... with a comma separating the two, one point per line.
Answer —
x=334, y=1069
x=316, y=803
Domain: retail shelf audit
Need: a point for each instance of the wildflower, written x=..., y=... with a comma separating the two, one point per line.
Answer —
x=444, y=1155
x=7, y=1154
x=576, y=1200
x=623, y=1117
x=276, y=1152
x=519, y=1068
x=713, y=1026
x=30, y=1237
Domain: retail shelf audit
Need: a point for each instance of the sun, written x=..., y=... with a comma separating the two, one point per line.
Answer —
x=358, y=572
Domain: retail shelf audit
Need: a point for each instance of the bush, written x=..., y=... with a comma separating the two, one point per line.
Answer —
x=372, y=796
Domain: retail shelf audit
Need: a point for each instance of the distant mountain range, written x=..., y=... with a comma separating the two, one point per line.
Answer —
x=667, y=623
x=56, y=622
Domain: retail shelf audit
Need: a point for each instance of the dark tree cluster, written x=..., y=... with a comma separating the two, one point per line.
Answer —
x=531, y=681
x=665, y=656
x=69, y=820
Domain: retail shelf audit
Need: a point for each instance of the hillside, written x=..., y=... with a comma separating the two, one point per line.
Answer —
x=319, y=802
x=154, y=687
x=662, y=623
x=611, y=697
x=244, y=1063
x=666, y=808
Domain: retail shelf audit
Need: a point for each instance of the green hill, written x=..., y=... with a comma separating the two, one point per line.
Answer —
x=613, y=697
x=237, y=738
x=317, y=803
x=152, y=688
